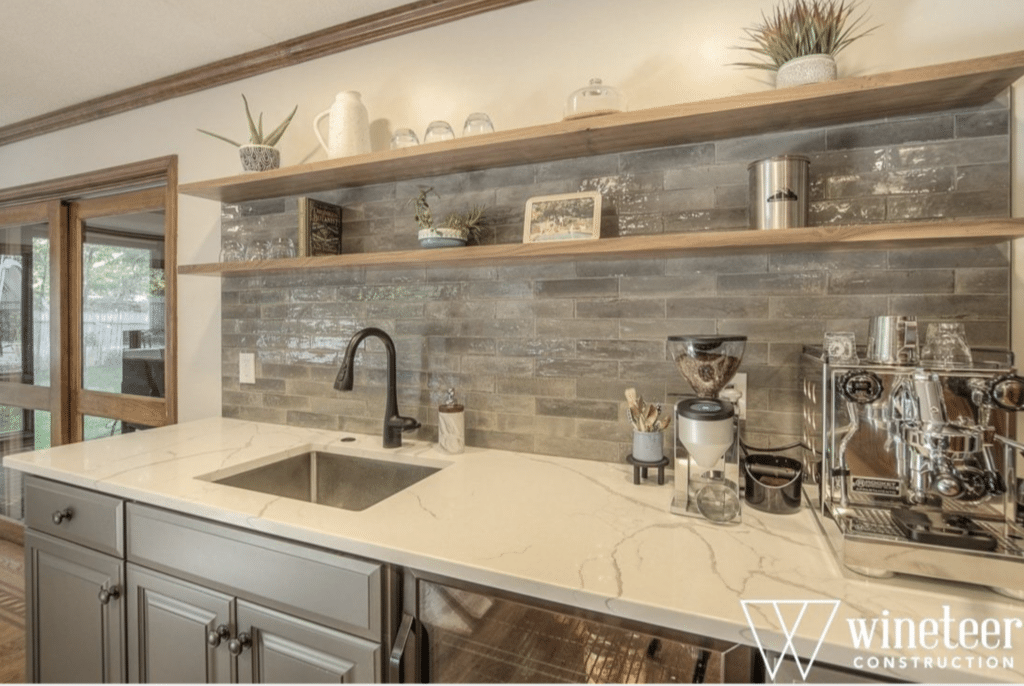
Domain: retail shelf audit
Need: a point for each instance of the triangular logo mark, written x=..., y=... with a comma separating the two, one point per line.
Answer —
x=790, y=614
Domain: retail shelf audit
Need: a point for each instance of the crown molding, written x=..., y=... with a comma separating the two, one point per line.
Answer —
x=391, y=23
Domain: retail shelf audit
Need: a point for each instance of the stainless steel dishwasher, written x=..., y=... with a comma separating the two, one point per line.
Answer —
x=454, y=632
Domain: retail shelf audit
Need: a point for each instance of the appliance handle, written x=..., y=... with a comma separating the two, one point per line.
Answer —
x=397, y=659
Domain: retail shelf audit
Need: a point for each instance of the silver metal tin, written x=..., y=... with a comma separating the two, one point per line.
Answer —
x=778, y=192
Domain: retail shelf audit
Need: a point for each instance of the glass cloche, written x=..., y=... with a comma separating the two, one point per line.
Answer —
x=594, y=98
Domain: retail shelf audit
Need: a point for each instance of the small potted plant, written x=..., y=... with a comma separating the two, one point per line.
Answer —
x=259, y=154
x=457, y=229
x=647, y=424
x=801, y=39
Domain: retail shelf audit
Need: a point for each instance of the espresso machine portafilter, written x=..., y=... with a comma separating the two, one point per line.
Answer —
x=912, y=463
x=706, y=444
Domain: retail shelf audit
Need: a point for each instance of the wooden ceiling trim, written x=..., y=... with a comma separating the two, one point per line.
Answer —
x=392, y=23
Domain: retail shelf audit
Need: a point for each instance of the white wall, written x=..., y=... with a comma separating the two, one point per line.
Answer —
x=517, y=64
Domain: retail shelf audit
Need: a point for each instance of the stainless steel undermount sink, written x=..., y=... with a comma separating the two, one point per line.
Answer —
x=343, y=481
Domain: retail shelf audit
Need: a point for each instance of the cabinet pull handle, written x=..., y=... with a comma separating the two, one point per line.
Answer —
x=108, y=594
x=62, y=515
x=215, y=636
x=396, y=661
x=238, y=644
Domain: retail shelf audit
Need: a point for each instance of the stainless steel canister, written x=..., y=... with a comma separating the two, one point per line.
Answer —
x=778, y=192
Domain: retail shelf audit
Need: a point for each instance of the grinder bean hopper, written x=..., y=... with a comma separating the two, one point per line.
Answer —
x=707, y=475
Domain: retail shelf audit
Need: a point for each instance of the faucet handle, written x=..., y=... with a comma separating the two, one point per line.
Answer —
x=403, y=423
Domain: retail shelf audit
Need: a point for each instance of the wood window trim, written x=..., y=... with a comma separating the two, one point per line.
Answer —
x=391, y=23
x=22, y=204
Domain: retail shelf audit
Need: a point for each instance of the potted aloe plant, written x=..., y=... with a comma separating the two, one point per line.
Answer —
x=259, y=154
x=801, y=39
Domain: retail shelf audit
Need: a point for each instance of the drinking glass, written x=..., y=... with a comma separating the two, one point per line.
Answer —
x=231, y=250
x=438, y=131
x=281, y=248
x=946, y=345
x=477, y=123
x=404, y=138
x=257, y=249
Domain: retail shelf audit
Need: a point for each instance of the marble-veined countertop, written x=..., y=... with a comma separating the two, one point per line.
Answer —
x=567, y=531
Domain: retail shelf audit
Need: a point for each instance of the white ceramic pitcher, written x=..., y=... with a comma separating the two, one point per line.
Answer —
x=348, y=127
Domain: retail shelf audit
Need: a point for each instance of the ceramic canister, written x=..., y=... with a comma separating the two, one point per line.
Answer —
x=451, y=425
x=348, y=127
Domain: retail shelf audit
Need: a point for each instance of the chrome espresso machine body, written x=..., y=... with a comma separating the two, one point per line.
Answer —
x=911, y=467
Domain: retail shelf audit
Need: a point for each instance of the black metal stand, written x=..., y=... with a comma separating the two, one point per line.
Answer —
x=640, y=469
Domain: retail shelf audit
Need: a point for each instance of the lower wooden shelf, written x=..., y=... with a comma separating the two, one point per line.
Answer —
x=817, y=238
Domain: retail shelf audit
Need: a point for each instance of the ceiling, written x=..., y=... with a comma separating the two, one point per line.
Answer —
x=57, y=53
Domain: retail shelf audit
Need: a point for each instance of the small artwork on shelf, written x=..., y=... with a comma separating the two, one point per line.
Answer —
x=319, y=228
x=569, y=217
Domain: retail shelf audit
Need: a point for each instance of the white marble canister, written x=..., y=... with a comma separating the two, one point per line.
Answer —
x=451, y=425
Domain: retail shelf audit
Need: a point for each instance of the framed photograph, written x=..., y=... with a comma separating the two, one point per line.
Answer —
x=319, y=228
x=569, y=217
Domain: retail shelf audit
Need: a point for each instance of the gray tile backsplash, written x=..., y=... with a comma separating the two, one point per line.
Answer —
x=541, y=354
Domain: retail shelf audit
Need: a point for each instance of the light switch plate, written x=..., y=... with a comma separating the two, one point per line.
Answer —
x=246, y=368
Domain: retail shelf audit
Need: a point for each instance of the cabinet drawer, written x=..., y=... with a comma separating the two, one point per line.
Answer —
x=321, y=586
x=96, y=520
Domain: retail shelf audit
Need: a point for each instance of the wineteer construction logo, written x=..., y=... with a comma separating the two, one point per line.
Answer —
x=814, y=615
x=941, y=642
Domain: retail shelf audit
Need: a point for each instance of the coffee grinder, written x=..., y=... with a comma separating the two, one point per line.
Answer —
x=707, y=469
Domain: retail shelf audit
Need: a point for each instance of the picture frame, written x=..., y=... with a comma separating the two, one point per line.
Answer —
x=566, y=217
x=319, y=228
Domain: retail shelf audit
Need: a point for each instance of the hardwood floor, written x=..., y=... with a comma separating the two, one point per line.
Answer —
x=12, y=612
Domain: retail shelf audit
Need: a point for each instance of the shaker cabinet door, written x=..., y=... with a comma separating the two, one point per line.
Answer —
x=278, y=648
x=178, y=632
x=75, y=613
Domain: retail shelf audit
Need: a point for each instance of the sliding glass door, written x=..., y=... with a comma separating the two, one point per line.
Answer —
x=120, y=320
x=32, y=371
x=87, y=310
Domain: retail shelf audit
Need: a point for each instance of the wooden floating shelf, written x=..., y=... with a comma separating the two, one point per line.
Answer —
x=819, y=238
x=910, y=91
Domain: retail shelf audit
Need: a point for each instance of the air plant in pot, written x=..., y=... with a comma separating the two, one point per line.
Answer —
x=800, y=40
x=647, y=427
x=259, y=154
x=456, y=229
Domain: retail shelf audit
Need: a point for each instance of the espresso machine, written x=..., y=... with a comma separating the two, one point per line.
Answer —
x=707, y=470
x=911, y=463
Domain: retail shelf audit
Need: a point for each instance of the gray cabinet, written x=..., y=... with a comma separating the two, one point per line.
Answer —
x=75, y=615
x=180, y=632
x=277, y=648
x=177, y=631
x=211, y=603
x=74, y=583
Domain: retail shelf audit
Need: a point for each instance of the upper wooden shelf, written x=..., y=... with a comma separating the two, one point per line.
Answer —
x=875, y=236
x=909, y=91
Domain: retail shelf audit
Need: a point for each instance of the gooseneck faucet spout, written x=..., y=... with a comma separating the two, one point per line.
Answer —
x=394, y=423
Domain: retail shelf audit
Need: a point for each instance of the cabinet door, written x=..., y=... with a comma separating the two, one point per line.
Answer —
x=278, y=648
x=177, y=631
x=74, y=634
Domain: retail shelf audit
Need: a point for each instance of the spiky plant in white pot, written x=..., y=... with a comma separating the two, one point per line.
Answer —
x=259, y=154
x=801, y=38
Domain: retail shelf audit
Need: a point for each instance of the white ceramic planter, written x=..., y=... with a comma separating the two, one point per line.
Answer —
x=442, y=238
x=806, y=69
x=259, y=157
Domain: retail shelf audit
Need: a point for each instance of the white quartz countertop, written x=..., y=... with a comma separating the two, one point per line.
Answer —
x=573, y=532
